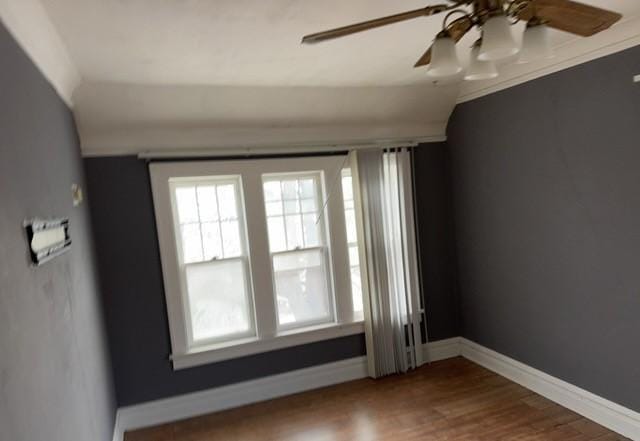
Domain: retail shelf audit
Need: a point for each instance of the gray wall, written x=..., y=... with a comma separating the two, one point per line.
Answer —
x=132, y=286
x=436, y=240
x=55, y=383
x=547, y=206
x=131, y=275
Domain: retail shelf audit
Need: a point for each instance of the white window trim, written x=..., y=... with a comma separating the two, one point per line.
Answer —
x=250, y=346
x=267, y=336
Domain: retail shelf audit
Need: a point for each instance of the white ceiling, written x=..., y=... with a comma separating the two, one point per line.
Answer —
x=239, y=42
x=250, y=42
x=155, y=72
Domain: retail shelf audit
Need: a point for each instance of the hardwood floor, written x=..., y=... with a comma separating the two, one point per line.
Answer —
x=449, y=400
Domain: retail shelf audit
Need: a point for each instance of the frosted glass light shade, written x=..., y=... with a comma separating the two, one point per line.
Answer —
x=444, y=58
x=478, y=69
x=535, y=44
x=497, y=40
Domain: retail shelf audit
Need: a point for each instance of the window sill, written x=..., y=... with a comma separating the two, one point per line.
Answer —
x=253, y=345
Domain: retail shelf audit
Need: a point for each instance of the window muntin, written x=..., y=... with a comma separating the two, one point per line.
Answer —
x=299, y=255
x=208, y=218
x=352, y=241
x=291, y=204
x=213, y=264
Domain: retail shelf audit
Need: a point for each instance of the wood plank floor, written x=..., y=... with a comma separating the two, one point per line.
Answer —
x=449, y=400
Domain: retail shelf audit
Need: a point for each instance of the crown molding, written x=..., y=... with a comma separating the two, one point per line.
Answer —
x=29, y=24
x=622, y=36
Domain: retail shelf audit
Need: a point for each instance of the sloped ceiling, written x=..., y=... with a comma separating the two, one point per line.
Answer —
x=225, y=73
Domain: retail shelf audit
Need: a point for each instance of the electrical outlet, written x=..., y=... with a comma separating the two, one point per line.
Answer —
x=636, y=79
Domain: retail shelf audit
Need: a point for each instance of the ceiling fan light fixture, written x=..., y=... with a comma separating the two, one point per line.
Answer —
x=444, y=57
x=478, y=69
x=497, y=39
x=535, y=42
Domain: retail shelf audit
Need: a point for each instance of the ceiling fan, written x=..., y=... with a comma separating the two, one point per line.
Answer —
x=493, y=18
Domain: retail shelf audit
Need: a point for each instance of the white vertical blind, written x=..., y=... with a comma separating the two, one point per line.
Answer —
x=392, y=311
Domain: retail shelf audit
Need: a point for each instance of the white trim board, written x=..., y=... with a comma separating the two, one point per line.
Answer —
x=604, y=412
x=118, y=430
x=441, y=349
x=593, y=407
x=226, y=397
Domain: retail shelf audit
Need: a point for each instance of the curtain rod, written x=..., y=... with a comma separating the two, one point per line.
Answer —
x=302, y=149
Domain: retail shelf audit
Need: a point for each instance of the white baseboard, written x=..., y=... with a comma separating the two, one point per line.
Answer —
x=607, y=413
x=441, y=349
x=118, y=431
x=604, y=412
x=221, y=398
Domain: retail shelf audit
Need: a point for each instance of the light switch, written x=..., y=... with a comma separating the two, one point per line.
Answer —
x=76, y=194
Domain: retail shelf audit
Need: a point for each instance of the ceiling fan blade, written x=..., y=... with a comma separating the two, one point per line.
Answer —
x=569, y=16
x=457, y=29
x=375, y=23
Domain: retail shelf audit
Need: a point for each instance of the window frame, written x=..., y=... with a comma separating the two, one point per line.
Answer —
x=260, y=271
x=324, y=247
x=236, y=181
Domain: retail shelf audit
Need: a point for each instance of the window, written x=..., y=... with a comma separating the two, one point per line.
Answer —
x=352, y=241
x=255, y=255
x=298, y=251
x=212, y=257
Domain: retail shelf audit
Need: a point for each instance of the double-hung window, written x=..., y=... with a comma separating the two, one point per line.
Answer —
x=298, y=247
x=212, y=252
x=256, y=254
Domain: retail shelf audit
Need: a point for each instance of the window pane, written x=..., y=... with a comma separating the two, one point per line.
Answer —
x=356, y=289
x=207, y=204
x=300, y=208
x=347, y=188
x=227, y=202
x=274, y=208
x=191, y=243
x=211, y=240
x=187, y=205
x=307, y=189
x=354, y=258
x=291, y=207
x=352, y=239
x=290, y=189
x=272, y=191
x=277, y=238
x=308, y=205
x=231, y=239
x=350, y=221
x=301, y=287
x=294, y=231
x=311, y=234
x=218, y=299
